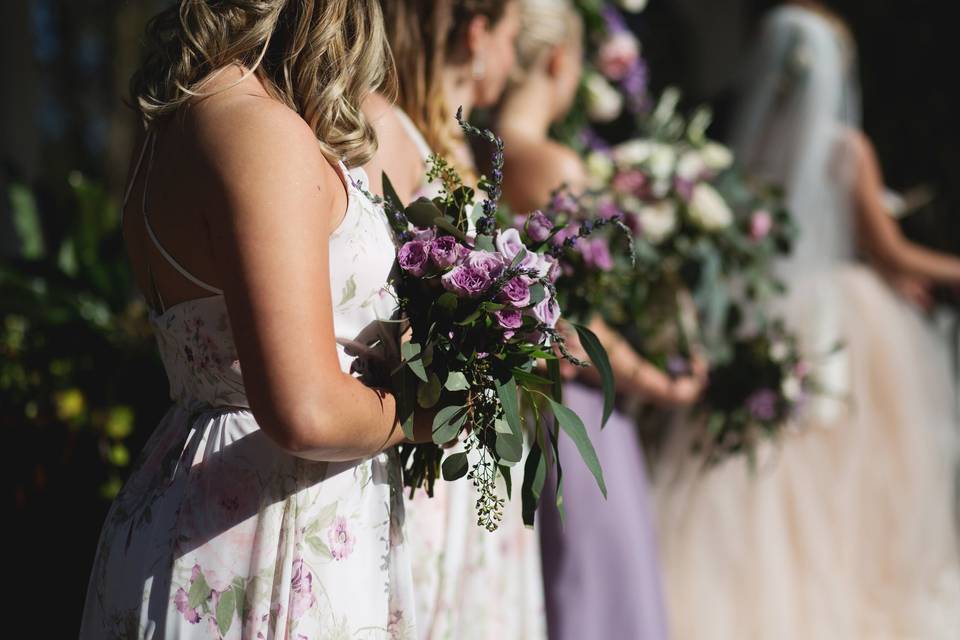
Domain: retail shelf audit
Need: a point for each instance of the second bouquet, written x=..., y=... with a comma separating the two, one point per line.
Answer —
x=482, y=349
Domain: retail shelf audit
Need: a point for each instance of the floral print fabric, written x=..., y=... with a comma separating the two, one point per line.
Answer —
x=219, y=533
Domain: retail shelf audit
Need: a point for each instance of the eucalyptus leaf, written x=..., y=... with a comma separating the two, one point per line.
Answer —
x=484, y=243
x=571, y=423
x=507, y=392
x=509, y=447
x=456, y=381
x=598, y=356
x=428, y=393
x=411, y=352
x=507, y=480
x=390, y=193
x=537, y=293
x=422, y=213
x=534, y=476
x=447, y=424
x=455, y=466
x=527, y=379
x=446, y=225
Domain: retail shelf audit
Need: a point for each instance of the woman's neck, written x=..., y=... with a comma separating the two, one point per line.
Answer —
x=522, y=114
x=458, y=90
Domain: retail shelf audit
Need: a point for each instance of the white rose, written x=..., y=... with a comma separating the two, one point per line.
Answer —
x=658, y=221
x=634, y=152
x=600, y=167
x=716, y=156
x=779, y=351
x=663, y=161
x=791, y=388
x=604, y=102
x=708, y=210
x=691, y=166
x=660, y=187
x=633, y=6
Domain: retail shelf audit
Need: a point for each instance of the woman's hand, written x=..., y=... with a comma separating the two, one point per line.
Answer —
x=682, y=391
x=915, y=289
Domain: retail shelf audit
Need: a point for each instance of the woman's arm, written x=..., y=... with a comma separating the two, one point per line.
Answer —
x=273, y=204
x=880, y=236
x=635, y=376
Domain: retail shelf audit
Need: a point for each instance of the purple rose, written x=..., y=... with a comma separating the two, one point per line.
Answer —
x=548, y=267
x=538, y=226
x=509, y=243
x=564, y=203
x=509, y=318
x=485, y=261
x=413, y=257
x=547, y=312
x=762, y=405
x=608, y=209
x=443, y=251
x=632, y=182
x=567, y=232
x=597, y=254
x=510, y=246
x=466, y=281
x=516, y=292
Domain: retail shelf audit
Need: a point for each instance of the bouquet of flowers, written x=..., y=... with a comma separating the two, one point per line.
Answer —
x=482, y=310
x=614, y=86
x=593, y=250
x=754, y=393
x=705, y=238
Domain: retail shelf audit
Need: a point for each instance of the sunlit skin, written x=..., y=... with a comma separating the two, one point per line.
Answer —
x=242, y=195
x=489, y=47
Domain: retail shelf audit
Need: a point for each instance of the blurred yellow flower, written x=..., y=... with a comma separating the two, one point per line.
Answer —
x=70, y=404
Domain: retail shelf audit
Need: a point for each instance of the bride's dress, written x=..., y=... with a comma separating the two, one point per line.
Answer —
x=846, y=528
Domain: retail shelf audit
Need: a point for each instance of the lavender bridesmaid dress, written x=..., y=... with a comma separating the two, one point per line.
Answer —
x=600, y=567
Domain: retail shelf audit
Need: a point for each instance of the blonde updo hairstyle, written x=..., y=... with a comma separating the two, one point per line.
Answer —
x=319, y=57
x=545, y=24
x=426, y=36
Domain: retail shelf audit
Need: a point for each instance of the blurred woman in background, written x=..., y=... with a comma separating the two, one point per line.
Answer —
x=469, y=582
x=601, y=572
x=848, y=531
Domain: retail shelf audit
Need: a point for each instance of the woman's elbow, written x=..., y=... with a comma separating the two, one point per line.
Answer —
x=305, y=427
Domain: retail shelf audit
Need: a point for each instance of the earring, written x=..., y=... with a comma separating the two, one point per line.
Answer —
x=479, y=69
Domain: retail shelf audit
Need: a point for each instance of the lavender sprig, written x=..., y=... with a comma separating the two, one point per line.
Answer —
x=491, y=186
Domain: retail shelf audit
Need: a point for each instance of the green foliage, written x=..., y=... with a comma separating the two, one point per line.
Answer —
x=78, y=366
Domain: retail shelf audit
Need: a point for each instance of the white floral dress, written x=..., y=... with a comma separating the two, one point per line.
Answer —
x=219, y=533
x=469, y=583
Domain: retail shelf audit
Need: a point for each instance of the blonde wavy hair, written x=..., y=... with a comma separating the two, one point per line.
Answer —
x=426, y=36
x=319, y=57
x=544, y=24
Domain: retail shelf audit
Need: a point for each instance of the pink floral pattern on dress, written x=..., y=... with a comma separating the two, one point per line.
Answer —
x=243, y=539
x=341, y=540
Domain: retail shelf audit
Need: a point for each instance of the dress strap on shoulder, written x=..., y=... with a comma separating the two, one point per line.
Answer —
x=136, y=172
x=153, y=236
x=414, y=133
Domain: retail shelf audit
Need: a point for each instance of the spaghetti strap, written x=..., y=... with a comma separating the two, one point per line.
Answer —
x=153, y=236
x=133, y=176
x=418, y=140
